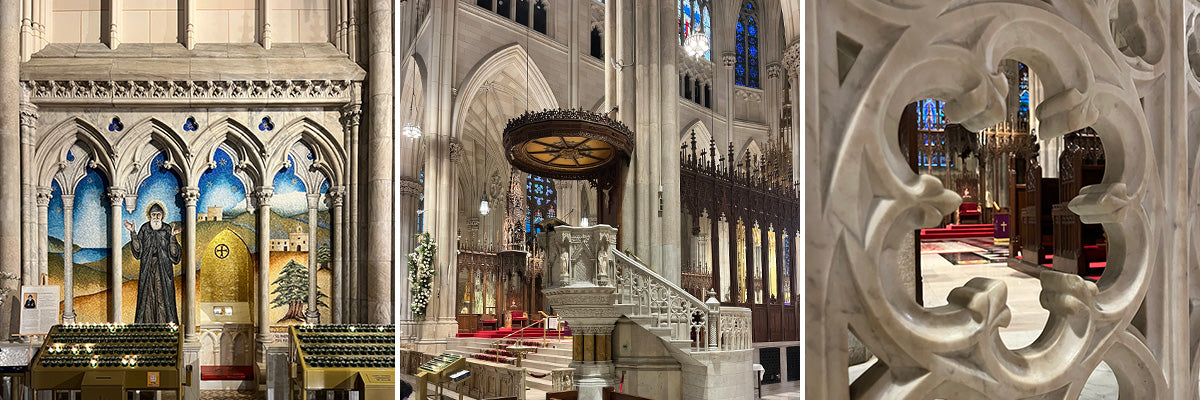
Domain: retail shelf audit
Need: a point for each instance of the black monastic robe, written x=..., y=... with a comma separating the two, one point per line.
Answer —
x=158, y=251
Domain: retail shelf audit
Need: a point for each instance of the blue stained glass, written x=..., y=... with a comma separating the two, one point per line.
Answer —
x=540, y=200
x=746, y=46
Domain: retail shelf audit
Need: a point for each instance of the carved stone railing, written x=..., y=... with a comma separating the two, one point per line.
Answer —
x=489, y=380
x=486, y=381
x=591, y=285
x=562, y=379
x=736, y=331
x=651, y=295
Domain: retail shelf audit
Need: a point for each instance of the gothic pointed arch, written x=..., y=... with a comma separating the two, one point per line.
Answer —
x=328, y=155
x=246, y=149
x=514, y=62
x=53, y=147
x=703, y=139
x=751, y=152
x=144, y=140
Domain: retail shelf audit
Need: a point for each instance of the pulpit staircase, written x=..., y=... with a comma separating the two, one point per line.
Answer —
x=671, y=313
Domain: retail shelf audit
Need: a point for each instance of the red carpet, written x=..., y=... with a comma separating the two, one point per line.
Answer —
x=503, y=332
x=959, y=231
x=227, y=373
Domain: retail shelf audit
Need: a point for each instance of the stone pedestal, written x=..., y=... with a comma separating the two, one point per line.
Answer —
x=278, y=381
x=191, y=357
x=582, y=294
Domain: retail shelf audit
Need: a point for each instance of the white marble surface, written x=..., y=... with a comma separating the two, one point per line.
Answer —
x=939, y=277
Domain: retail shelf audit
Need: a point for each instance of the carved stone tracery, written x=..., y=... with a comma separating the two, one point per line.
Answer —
x=954, y=351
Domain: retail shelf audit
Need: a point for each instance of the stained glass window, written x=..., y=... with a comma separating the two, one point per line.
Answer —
x=930, y=115
x=541, y=199
x=746, y=46
x=1023, y=87
x=694, y=17
x=787, y=270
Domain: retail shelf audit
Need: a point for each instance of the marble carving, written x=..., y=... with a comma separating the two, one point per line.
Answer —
x=1114, y=65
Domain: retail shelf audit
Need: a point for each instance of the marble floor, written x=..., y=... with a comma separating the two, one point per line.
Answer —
x=940, y=276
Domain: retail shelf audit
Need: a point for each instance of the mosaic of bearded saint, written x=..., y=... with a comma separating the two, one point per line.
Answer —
x=156, y=246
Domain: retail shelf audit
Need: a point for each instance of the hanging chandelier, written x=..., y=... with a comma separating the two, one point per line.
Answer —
x=411, y=131
x=696, y=44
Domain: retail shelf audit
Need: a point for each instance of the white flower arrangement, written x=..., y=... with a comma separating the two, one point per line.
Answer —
x=420, y=274
x=4, y=292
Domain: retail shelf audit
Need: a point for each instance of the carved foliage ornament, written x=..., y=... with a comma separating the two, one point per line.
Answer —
x=300, y=91
x=951, y=53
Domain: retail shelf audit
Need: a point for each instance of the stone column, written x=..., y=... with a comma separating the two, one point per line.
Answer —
x=263, y=197
x=116, y=202
x=10, y=149
x=729, y=58
x=335, y=297
x=190, y=195
x=27, y=30
x=29, y=218
x=264, y=28
x=312, y=315
x=68, y=257
x=408, y=192
x=379, y=189
x=351, y=115
x=187, y=29
x=43, y=205
x=114, y=19
x=795, y=70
